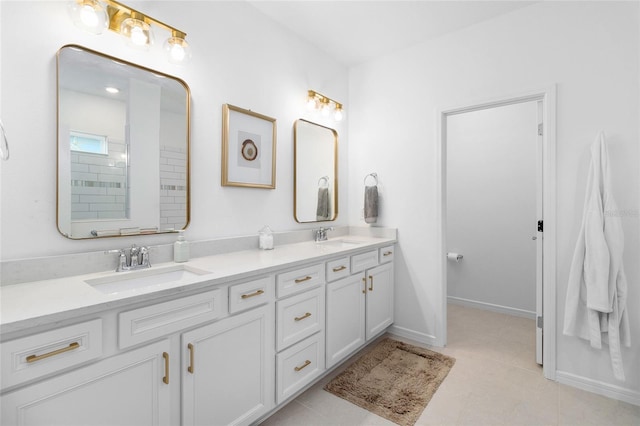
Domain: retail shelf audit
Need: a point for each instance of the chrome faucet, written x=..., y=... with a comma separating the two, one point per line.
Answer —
x=138, y=258
x=321, y=233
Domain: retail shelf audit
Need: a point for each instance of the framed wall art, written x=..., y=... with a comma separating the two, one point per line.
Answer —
x=248, y=148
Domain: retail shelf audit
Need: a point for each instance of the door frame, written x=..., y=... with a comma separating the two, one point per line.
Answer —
x=548, y=98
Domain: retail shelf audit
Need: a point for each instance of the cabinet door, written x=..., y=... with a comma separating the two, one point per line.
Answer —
x=379, y=299
x=345, y=317
x=127, y=389
x=228, y=370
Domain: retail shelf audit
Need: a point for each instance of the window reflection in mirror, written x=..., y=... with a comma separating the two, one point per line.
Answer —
x=123, y=147
x=316, y=172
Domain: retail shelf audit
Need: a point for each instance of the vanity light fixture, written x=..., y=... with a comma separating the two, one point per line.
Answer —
x=317, y=101
x=96, y=15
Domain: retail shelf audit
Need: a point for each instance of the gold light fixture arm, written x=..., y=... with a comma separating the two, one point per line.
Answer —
x=118, y=12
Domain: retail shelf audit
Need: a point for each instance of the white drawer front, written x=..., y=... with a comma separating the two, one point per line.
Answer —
x=360, y=262
x=299, y=316
x=299, y=365
x=302, y=279
x=34, y=356
x=385, y=254
x=151, y=322
x=249, y=294
x=338, y=268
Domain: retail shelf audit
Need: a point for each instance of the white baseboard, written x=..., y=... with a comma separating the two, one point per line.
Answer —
x=417, y=336
x=605, y=389
x=491, y=307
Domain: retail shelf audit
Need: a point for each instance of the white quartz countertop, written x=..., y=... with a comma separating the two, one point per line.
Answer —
x=37, y=303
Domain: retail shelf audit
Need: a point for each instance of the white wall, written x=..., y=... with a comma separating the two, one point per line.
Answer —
x=591, y=51
x=240, y=57
x=491, y=206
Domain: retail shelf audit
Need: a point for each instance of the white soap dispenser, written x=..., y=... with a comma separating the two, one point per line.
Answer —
x=181, y=248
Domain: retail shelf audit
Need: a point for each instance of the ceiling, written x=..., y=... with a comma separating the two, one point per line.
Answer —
x=355, y=31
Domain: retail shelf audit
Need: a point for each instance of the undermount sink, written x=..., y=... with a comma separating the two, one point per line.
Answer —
x=143, y=279
x=340, y=243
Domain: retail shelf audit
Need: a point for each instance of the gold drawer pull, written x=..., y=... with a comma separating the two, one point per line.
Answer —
x=387, y=253
x=364, y=290
x=307, y=315
x=165, y=379
x=301, y=280
x=191, y=356
x=306, y=363
x=257, y=293
x=339, y=268
x=371, y=286
x=34, y=358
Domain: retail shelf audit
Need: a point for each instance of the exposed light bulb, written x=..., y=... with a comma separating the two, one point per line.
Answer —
x=177, y=49
x=325, y=109
x=137, y=36
x=337, y=115
x=89, y=15
x=311, y=104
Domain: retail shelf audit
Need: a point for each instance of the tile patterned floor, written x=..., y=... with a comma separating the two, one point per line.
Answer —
x=495, y=381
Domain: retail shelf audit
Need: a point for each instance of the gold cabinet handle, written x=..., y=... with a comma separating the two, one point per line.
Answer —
x=165, y=379
x=256, y=293
x=371, y=285
x=306, y=363
x=364, y=290
x=34, y=358
x=307, y=315
x=301, y=280
x=387, y=253
x=339, y=268
x=191, y=356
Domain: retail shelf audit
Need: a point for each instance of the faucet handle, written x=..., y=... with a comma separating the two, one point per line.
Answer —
x=122, y=258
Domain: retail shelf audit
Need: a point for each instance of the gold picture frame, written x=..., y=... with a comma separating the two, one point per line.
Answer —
x=248, y=148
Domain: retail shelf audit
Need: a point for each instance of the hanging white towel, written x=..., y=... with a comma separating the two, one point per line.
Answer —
x=595, y=307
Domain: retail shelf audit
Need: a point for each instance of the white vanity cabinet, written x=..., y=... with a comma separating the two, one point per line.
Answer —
x=226, y=351
x=132, y=388
x=228, y=370
x=359, y=307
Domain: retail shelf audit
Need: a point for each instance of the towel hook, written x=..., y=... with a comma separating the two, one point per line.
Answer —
x=324, y=180
x=4, y=144
x=373, y=175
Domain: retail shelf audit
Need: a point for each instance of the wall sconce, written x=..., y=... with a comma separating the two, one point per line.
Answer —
x=95, y=16
x=317, y=101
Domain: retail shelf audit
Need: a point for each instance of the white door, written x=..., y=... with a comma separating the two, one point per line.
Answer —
x=379, y=299
x=127, y=389
x=345, y=304
x=228, y=370
x=494, y=202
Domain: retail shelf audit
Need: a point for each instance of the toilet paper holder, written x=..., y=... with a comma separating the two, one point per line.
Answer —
x=456, y=257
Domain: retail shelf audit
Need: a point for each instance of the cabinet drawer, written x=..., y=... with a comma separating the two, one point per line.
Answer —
x=34, y=356
x=299, y=316
x=249, y=294
x=298, y=280
x=151, y=322
x=338, y=268
x=299, y=365
x=360, y=262
x=385, y=254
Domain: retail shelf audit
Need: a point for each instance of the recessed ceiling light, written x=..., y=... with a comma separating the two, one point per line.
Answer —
x=113, y=90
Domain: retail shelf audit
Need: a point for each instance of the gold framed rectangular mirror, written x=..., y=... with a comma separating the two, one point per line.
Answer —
x=315, y=172
x=123, y=147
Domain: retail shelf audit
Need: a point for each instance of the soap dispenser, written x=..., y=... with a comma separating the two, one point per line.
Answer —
x=265, y=238
x=181, y=248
